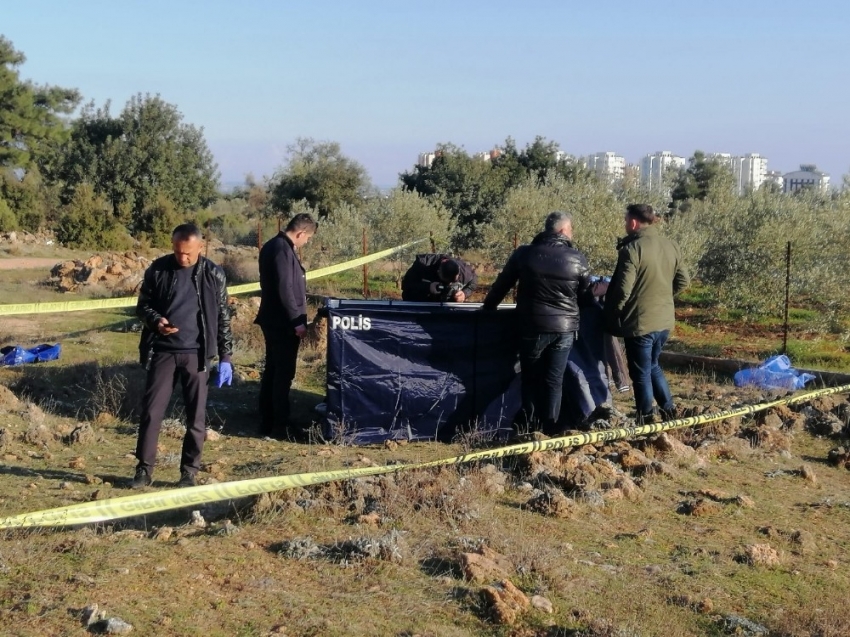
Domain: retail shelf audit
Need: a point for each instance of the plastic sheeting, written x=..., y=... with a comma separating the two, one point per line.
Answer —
x=774, y=373
x=419, y=371
x=16, y=355
x=425, y=371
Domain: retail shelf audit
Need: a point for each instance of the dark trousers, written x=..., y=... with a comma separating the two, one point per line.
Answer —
x=281, y=354
x=642, y=353
x=543, y=360
x=165, y=371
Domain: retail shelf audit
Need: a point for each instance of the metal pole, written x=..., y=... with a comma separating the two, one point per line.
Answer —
x=787, y=295
x=433, y=245
x=365, y=269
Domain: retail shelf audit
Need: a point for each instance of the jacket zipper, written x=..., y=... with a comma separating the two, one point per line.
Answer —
x=203, y=352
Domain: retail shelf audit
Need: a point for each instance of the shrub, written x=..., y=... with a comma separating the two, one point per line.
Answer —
x=87, y=222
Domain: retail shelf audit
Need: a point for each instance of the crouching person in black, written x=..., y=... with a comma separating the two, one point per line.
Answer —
x=183, y=305
x=438, y=278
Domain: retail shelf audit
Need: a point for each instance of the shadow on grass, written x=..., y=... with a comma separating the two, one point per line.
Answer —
x=56, y=474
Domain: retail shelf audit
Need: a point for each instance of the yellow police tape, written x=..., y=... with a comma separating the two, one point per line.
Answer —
x=130, y=301
x=144, y=503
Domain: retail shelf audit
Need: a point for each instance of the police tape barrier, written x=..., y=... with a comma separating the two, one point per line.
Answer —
x=130, y=301
x=145, y=503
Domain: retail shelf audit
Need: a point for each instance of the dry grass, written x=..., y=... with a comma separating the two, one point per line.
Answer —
x=384, y=555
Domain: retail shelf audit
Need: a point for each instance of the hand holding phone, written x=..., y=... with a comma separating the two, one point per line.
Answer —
x=166, y=328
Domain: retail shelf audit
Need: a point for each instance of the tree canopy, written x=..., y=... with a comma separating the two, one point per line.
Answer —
x=472, y=189
x=137, y=160
x=702, y=175
x=318, y=172
x=31, y=122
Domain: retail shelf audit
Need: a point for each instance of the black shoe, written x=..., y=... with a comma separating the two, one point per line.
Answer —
x=187, y=480
x=141, y=479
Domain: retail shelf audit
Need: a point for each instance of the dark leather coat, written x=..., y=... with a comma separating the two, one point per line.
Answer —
x=156, y=293
x=553, y=280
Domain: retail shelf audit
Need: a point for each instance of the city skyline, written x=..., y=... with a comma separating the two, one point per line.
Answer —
x=389, y=81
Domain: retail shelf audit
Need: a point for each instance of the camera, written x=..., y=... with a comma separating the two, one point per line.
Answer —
x=448, y=290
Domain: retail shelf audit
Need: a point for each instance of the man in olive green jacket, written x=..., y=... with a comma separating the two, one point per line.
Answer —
x=639, y=306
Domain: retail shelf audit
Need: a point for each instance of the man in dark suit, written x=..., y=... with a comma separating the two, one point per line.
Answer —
x=283, y=319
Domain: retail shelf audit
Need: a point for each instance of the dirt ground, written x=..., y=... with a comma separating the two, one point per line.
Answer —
x=25, y=263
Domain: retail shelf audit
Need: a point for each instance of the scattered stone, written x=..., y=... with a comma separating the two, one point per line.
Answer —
x=66, y=486
x=744, y=501
x=90, y=615
x=808, y=474
x=91, y=479
x=38, y=435
x=163, y=533
x=505, y=601
x=77, y=463
x=824, y=423
x=81, y=435
x=699, y=508
x=542, y=604
x=735, y=625
x=198, y=520
x=228, y=529
x=759, y=555
x=554, y=503
x=112, y=626
x=485, y=565
x=212, y=435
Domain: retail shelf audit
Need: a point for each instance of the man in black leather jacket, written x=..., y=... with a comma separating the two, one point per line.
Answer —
x=183, y=306
x=553, y=280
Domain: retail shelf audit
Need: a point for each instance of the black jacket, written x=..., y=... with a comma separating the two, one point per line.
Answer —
x=425, y=271
x=283, y=285
x=156, y=293
x=553, y=280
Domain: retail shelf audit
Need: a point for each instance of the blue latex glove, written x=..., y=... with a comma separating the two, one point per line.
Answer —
x=225, y=374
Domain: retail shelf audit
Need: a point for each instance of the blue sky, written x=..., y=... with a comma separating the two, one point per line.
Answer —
x=388, y=80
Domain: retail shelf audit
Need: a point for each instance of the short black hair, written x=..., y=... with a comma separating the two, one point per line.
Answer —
x=643, y=212
x=449, y=270
x=186, y=231
x=302, y=222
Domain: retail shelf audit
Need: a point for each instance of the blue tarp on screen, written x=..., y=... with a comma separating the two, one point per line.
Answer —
x=426, y=371
x=419, y=371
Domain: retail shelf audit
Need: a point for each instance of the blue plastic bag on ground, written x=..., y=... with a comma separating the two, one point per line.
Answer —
x=16, y=355
x=774, y=373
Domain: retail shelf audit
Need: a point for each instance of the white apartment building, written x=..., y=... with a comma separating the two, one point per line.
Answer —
x=807, y=177
x=609, y=167
x=774, y=177
x=653, y=167
x=426, y=159
x=749, y=171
